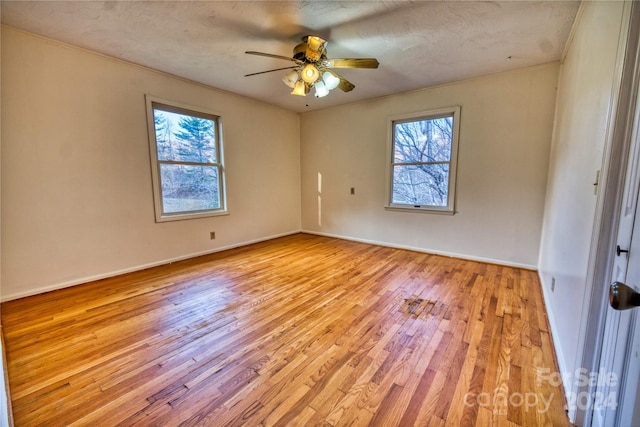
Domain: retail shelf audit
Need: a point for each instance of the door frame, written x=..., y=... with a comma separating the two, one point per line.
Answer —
x=609, y=203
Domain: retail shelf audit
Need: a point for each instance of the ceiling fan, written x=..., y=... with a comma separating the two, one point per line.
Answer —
x=314, y=69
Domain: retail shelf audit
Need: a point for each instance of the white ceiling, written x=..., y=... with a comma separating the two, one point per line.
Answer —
x=418, y=43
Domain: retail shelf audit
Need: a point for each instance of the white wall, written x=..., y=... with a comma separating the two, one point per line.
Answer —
x=505, y=135
x=76, y=182
x=585, y=95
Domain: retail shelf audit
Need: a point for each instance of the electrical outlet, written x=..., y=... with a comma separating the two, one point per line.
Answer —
x=212, y=235
x=553, y=284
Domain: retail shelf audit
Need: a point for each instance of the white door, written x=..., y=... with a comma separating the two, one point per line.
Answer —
x=617, y=397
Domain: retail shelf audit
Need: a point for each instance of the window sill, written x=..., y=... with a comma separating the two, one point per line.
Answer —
x=420, y=209
x=181, y=217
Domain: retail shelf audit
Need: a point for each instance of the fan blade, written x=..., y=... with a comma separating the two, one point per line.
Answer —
x=269, y=71
x=352, y=63
x=270, y=55
x=345, y=85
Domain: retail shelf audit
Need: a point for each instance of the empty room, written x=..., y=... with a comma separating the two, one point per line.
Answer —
x=363, y=213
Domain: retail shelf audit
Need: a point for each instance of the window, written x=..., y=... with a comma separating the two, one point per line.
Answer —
x=186, y=161
x=423, y=156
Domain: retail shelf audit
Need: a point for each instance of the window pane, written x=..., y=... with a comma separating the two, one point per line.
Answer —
x=426, y=140
x=424, y=185
x=185, y=138
x=187, y=188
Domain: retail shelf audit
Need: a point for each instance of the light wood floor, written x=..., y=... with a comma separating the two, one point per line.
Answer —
x=301, y=330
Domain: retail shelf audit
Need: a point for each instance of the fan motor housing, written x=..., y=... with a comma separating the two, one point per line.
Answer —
x=299, y=52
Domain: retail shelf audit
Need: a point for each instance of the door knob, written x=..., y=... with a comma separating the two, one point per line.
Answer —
x=619, y=251
x=623, y=297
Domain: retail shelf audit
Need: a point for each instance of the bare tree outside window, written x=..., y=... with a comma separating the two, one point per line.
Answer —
x=423, y=154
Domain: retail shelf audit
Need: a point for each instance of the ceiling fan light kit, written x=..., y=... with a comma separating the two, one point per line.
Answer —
x=330, y=81
x=313, y=68
x=315, y=46
x=321, y=89
x=291, y=78
x=299, y=89
x=310, y=73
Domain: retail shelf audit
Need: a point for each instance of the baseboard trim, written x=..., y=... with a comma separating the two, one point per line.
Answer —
x=557, y=349
x=425, y=250
x=86, y=279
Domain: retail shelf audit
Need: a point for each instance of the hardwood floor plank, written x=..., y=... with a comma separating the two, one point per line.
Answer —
x=389, y=411
x=299, y=330
x=470, y=398
x=464, y=384
x=453, y=377
x=418, y=398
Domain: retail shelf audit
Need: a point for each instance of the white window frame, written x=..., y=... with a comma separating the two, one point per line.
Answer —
x=177, y=107
x=449, y=209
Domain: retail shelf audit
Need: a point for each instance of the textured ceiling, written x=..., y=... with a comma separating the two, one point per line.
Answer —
x=418, y=43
